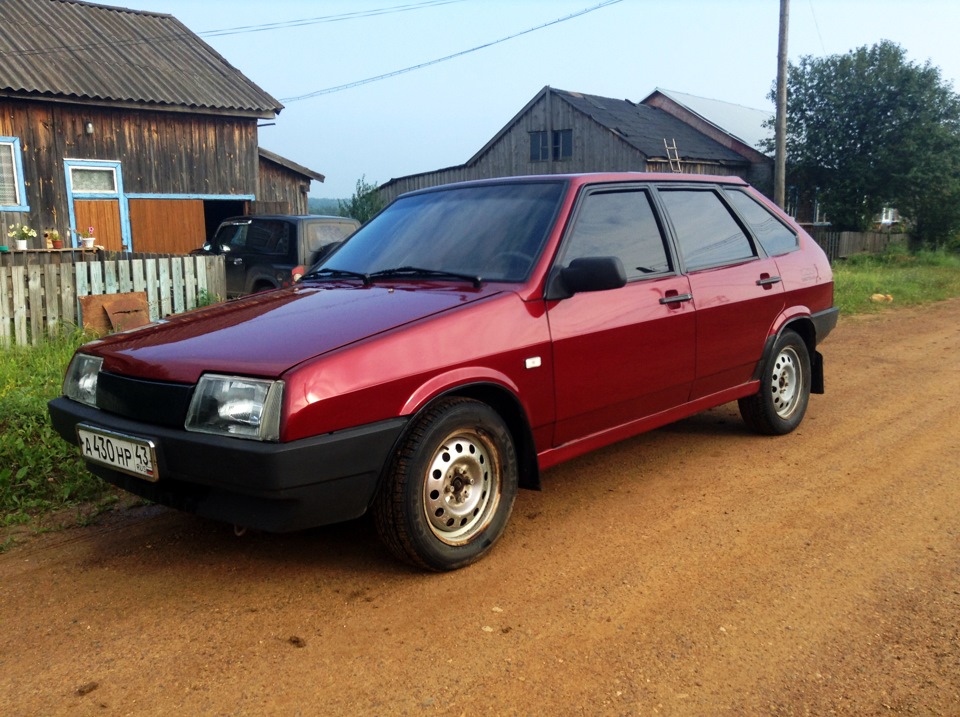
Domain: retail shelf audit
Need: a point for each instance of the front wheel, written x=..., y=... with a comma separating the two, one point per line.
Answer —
x=781, y=403
x=450, y=488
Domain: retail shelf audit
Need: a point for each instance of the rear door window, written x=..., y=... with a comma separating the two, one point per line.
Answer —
x=619, y=223
x=707, y=233
x=260, y=236
x=774, y=236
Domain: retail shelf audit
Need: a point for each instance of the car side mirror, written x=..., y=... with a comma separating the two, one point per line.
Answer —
x=593, y=273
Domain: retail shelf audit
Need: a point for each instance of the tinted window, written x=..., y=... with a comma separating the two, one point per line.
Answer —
x=494, y=231
x=774, y=237
x=620, y=224
x=706, y=231
x=257, y=236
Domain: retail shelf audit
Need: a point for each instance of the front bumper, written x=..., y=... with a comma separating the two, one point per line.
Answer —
x=275, y=487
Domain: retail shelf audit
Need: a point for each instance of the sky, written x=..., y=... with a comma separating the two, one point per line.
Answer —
x=440, y=114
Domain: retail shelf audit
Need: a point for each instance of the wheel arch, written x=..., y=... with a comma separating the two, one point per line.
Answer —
x=804, y=327
x=505, y=403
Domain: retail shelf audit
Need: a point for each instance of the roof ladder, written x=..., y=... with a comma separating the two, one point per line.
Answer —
x=673, y=156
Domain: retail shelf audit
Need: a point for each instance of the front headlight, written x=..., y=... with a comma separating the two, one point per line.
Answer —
x=80, y=382
x=236, y=406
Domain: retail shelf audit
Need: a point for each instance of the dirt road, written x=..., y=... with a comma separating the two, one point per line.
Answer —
x=697, y=570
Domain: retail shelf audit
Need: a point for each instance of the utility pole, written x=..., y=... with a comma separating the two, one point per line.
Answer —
x=780, y=132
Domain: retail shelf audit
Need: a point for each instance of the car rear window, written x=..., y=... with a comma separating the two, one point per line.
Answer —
x=707, y=233
x=774, y=236
x=260, y=236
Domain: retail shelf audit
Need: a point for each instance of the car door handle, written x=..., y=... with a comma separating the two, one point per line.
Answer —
x=768, y=280
x=236, y=260
x=675, y=298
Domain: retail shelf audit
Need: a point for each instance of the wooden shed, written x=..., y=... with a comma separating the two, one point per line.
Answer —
x=100, y=126
x=561, y=132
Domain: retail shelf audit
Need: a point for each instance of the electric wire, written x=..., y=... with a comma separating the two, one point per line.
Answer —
x=176, y=36
x=395, y=73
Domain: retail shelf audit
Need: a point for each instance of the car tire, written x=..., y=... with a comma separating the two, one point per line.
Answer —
x=781, y=403
x=450, y=488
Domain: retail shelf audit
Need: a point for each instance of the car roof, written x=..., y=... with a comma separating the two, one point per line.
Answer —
x=580, y=179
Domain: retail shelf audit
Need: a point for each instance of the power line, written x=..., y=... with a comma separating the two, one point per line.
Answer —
x=817, y=25
x=387, y=75
x=175, y=36
x=326, y=18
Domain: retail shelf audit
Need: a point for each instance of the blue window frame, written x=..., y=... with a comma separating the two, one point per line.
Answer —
x=13, y=195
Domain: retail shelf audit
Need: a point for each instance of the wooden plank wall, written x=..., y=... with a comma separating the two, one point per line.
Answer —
x=39, y=299
x=284, y=191
x=180, y=153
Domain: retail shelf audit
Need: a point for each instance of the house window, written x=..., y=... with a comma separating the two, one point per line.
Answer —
x=542, y=148
x=98, y=180
x=12, y=194
x=539, y=148
x=562, y=144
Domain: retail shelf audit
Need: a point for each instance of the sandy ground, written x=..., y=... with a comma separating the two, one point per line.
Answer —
x=696, y=570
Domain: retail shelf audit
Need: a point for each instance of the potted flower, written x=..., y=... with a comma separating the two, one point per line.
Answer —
x=55, y=241
x=21, y=234
x=86, y=237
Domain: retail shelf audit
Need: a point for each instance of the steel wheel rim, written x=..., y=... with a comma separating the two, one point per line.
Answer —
x=785, y=383
x=461, y=488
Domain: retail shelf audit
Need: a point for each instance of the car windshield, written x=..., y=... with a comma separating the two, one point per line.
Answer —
x=493, y=232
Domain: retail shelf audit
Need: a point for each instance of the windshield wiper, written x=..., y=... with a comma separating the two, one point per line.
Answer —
x=420, y=271
x=365, y=278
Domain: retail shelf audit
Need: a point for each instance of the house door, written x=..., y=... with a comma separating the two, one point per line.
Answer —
x=95, y=191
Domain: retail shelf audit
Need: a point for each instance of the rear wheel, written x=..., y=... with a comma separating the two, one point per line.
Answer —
x=450, y=488
x=781, y=403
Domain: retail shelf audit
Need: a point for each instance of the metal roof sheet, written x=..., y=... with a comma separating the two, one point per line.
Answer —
x=80, y=51
x=751, y=126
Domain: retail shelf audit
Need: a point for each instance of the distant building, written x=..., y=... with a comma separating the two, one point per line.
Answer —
x=561, y=132
x=128, y=122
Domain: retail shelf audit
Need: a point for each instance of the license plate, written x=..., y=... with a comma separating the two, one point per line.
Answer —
x=136, y=456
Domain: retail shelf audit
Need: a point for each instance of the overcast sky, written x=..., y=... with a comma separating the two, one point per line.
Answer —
x=441, y=114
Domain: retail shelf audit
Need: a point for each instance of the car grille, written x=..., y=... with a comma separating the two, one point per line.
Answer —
x=156, y=402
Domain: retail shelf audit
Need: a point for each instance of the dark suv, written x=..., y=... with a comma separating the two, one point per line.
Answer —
x=460, y=343
x=269, y=251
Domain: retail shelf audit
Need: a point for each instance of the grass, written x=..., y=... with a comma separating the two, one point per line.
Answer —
x=41, y=475
x=910, y=279
x=39, y=472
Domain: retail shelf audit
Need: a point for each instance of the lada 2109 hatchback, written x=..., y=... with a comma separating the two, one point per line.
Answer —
x=464, y=340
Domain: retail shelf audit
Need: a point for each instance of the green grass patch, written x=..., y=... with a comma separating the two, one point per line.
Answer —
x=39, y=472
x=909, y=278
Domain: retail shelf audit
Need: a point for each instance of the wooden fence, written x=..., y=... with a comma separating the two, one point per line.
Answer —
x=39, y=291
x=840, y=245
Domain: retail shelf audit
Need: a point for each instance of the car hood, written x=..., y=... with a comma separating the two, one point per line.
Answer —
x=267, y=334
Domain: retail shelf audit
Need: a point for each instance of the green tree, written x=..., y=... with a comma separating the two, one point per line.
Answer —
x=870, y=129
x=364, y=203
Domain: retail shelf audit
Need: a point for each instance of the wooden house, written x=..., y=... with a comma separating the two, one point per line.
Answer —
x=561, y=132
x=127, y=122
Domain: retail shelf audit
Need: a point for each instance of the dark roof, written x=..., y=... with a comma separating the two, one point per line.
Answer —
x=289, y=165
x=79, y=51
x=645, y=128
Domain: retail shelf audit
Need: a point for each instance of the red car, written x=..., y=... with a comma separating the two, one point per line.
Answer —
x=464, y=340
